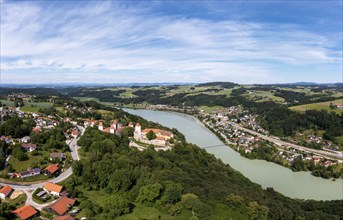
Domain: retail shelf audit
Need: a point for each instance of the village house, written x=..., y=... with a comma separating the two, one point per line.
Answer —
x=37, y=129
x=25, y=212
x=5, y=191
x=61, y=206
x=29, y=147
x=29, y=172
x=25, y=139
x=64, y=217
x=91, y=123
x=51, y=170
x=115, y=127
x=75, y=133
x=56, y=155
x=7, y=139
x=52, y=188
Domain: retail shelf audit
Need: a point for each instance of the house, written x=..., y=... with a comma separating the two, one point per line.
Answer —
x=75, y=133
x=5, y=191
x=64, y=217
x=29, y=147
x=25, y=139
x=52, y=188
x=25, y=212
x=61, y=206
x=37, y=129
x=57, y=155
x=29, y=172
x=7, y=139
x=51, y=169
x=91, y=123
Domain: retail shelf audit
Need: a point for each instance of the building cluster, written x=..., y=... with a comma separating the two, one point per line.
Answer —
x=60, y=208
x=19, y=96
x=183, y=109
x=162, y=136
x=223, y=120
x=50, y=170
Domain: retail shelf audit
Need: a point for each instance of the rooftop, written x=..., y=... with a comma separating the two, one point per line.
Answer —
x=53, y=187
x=25, y=212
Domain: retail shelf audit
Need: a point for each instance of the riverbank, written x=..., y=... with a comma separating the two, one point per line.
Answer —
x=333, y=172
x=301, y=185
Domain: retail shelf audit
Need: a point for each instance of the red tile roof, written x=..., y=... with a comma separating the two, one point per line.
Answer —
x=156, y=131
x=25, y=212
x=52, y=187
x=62, y=205
x=52, y=168
x=65, y=217
x=6, y=190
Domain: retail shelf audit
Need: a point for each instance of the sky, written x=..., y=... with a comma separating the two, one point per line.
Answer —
x=171, y=41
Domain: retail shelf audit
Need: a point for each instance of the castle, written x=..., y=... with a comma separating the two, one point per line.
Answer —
x=162, y=136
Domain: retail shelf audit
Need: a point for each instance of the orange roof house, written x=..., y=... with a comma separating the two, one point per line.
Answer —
x=65, y=217
x=25, y=212
x=61, y=206
x=52, y=188
x=5, y=191
x=51, y=169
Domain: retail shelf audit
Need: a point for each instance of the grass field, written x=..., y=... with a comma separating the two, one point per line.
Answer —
x=31, y=162
x=7, y=103
x=17, y=201
x=261, y=96
x=85, y=99
x=319, y=106
x=35, y=106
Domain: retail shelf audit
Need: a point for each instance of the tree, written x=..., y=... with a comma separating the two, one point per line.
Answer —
x=172, y=193
x=151, y=135
x=149, y=193
x=116, y=205
x=256, y=211
x=19, y=154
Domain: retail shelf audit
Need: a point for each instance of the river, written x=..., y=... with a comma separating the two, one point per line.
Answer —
x=301, y=185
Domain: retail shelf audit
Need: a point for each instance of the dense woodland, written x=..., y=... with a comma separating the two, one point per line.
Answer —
x=186, y=182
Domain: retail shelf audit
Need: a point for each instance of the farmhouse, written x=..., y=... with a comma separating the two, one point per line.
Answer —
x=5, y=191
x=25, y=139
x=52, y=188
x=25, y=212
x=57, y=155
x=29, y=147
x=29, y=172
x=61, y=206
x=51, y=169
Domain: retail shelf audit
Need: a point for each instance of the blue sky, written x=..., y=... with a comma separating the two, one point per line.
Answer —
x=171, y=41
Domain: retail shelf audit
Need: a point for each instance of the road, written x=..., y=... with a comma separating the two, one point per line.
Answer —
x=31, y=187
x=331, y=155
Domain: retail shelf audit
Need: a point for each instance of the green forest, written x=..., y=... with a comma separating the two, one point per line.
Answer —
x=184, y=183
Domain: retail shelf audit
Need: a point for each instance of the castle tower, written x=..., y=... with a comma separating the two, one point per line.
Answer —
x=112, y=129
x=115, y=124
x=137, y=134
x=138, y=128
x=101, y=126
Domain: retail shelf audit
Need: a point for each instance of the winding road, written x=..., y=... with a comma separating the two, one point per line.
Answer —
x=28, y=189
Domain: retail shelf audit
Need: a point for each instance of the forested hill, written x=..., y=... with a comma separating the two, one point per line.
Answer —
x=184, y=183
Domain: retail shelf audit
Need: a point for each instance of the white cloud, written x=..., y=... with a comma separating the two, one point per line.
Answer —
x=110, y=38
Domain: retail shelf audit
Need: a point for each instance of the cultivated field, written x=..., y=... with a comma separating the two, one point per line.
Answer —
x=319, y=106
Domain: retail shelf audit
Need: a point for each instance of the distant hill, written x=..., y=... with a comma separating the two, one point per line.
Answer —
x=221, y=84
